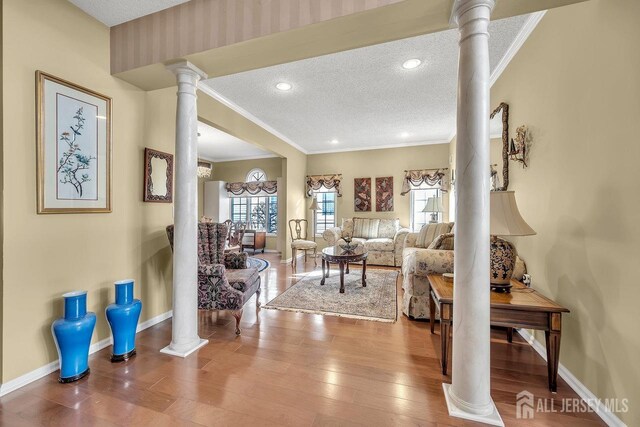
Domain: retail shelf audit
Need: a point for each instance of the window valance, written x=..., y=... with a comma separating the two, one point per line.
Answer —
x=433, y=177
x=316, y=182
x=253, y=188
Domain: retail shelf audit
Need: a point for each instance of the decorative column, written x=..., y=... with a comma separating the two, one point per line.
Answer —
x=184, y=334
x=469, y=394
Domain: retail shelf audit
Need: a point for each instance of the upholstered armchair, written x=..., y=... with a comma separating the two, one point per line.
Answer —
x=221, y=288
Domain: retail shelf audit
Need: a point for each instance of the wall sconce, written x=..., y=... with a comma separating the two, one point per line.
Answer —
x=518, y=147
x=204, y=169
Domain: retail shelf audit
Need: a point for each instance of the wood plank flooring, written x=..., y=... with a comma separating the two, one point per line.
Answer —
x=287, y=369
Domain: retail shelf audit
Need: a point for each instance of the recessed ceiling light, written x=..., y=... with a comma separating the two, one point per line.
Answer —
x=404, y=135
x=334, y=141
x=283, y=86
x=410, y=64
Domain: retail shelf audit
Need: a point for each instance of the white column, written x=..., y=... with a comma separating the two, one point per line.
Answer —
x=184, y=334
x=469, y=394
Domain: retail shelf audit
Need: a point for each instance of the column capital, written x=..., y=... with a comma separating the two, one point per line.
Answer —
x=460, y=7
x=186, y=67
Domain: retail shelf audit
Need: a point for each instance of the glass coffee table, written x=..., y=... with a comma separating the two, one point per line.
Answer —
x=342, y=257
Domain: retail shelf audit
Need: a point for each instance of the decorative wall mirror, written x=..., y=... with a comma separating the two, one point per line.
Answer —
x=499, y=134
x=158, y=176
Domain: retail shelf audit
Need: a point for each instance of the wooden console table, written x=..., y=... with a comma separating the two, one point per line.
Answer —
x=522, y=308
x=255, y=240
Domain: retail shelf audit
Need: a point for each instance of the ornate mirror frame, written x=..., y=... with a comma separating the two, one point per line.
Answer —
x=150, y=154
x=504, y=108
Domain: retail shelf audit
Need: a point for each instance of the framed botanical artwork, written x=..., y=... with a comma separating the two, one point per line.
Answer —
x=384, y=194
x=158, y=176
x=362, y=194
x=73, y=127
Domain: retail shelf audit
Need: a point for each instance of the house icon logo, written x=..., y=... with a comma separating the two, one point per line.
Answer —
x=524, y=405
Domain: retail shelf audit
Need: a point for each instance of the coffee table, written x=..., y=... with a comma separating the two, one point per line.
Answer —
x=338, y=255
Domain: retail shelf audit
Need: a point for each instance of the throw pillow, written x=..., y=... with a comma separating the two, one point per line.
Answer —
x=429, y=232
x=235, y=260
x=443, y=242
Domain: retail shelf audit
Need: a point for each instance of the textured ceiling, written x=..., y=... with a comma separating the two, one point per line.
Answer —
x=215, y=145
x=114, y=12
x=363, y=97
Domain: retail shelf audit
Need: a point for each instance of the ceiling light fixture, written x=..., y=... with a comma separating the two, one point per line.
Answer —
x=283, y=86
x=410, y=64
x=404, y=135
x=334, y=141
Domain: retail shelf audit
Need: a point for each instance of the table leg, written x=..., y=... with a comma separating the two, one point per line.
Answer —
x=553, y=349
x=364, y=273
x=510, y=335
x=341, y=265
x=323, y=274
x=445, y=334
x=347, y=267
x=328, y=269
x=432, y=310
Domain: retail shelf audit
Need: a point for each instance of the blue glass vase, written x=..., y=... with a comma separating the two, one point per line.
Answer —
x=72, y=335
x=123, y=319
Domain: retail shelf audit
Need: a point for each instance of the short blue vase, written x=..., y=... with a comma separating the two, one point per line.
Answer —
x=72, y=335
x=123, y=319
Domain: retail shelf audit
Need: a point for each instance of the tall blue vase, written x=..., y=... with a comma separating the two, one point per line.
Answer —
x=123, y=319
x=72, y=335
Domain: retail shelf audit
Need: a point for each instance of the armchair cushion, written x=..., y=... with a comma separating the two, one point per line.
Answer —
x=429, y=232
x=242, y=279
x=303, y=244
x=235, y=260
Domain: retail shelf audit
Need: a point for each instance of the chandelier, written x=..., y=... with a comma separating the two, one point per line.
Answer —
x=204, y=169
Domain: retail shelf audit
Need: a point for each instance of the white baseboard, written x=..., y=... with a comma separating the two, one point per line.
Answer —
x=288, y=260
x=45, y=370
x=585, y=394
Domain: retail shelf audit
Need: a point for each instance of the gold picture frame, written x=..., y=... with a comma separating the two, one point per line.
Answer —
x=73, y=147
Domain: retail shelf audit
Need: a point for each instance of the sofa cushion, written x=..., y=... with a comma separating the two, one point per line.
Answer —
x=241, y=279
x=443, y=242
x=388, y=228
x=429, y=232
x=367, y=228
x=381, y=244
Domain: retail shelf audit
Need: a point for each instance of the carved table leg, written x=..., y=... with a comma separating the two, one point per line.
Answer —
x=553, y=349
x=445, y=334
x=347, y=267
x=341, y=264
x=323, y=272
x=510, y=335
x=432, y=310
x=364, y=273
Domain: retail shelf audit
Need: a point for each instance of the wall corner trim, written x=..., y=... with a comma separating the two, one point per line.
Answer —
x=45, y=370
x=585, y=394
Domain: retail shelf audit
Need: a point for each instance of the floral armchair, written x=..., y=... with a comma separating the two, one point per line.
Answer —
x=224, y=281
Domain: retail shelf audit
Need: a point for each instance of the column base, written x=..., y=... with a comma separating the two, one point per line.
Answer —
x=168, y=350
x=493, y=418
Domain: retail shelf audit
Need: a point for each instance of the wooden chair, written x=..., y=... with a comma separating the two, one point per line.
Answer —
x=235, y=235
x=299, y=242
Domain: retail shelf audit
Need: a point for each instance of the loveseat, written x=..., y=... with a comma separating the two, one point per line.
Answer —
x=430, y=251
x=383, y=238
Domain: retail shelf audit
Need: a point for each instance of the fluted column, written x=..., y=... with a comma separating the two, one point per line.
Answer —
x=184, y=334
x=469, y=394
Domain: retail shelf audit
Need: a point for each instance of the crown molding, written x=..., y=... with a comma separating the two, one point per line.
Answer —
x=382, y=147
x=235, y=159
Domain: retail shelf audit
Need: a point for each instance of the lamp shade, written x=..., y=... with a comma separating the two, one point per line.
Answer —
x=434, y=204
x=505, y=216
x=314, y=205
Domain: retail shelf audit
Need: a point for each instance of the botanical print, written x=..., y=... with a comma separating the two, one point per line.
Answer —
x=362, y=194
x=384, y=194
x=77, y=150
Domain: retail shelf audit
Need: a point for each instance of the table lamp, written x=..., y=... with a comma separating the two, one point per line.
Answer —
x=314, y=208
x=505, y=220
x=434, y=206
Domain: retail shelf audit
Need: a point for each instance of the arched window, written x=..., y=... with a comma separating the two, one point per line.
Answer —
x=256, y=175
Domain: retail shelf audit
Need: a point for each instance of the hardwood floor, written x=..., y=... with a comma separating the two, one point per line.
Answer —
x=286, y=369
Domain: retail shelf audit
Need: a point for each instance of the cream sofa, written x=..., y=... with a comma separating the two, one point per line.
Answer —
x=427, y=253
x=383, y=238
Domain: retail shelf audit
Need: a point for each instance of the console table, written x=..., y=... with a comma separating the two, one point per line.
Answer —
x=522, y=308
x=255, y=240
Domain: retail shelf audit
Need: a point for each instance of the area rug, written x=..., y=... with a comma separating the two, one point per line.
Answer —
x=258, y=263
x=375, y=302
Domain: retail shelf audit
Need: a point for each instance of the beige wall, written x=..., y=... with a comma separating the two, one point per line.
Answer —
x=377, y=163
x=576, y=84
x=50, y=254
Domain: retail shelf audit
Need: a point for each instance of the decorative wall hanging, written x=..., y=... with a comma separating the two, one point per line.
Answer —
x=434, y=177
x=73, y=129
x=158, y=176
x=316, y=182
x=362, y=194
x=518, y=149
x=253, y=188
x=384, y=194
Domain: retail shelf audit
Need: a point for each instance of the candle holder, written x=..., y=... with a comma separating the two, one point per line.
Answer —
x=518, y=147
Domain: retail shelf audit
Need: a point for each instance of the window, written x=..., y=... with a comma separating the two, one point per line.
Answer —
x=326, y=213
x=259, y=212
x=419, y=199
x=256, y=175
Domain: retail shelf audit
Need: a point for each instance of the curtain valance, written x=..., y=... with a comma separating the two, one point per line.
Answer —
x=415, y=178
x=316, y=182
x=253, y=188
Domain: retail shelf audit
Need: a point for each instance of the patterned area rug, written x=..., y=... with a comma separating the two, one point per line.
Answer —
x=258, y=263
x=375, y=302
